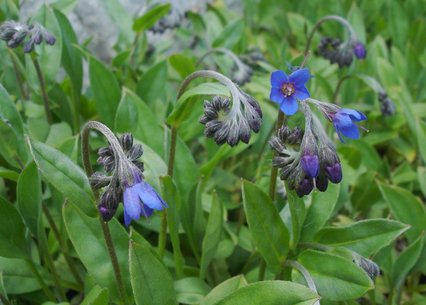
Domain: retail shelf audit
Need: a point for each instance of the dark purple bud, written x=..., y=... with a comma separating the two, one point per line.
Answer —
x=334, y=173
x=359, y=50
x=321, y=182
x=310, y=165
x=109, y=202
x=126, y=141
x=29, y=46
x=304, y=187
x=49, y=38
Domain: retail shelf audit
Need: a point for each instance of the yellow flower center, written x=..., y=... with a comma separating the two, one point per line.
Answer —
x=287, y=89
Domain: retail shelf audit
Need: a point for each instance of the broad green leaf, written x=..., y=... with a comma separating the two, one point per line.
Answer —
x=271, y=293
x=183, y=105
x=172, y=197
x=191, y=290
x=106, y=90
x=18, y=276
x=96, y=296
x=71, y=58
x=421, y=139
x=182, y=64
x=406, y=261
x=224, y=289
x=406, y=208
x=148, y=19
x=297, y=214
x=421, y=174
x=336, y=278
x=365, y=237
x=151, y=282
x=49, y=56
x=13, y=147
x=9, y=174
x=230, y=35
x=12, y=232
x=64, y=175
x=319, y=211
x=29, y=197
x=212, y=236
x=86, y=236
x=267, y=229
x=134, y=116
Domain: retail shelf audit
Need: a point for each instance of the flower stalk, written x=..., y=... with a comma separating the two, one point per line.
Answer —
x=44, y=95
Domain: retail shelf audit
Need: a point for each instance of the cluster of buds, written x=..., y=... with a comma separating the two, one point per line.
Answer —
x=172, y=21
x=230, y=125
x=124, y=181
x=306, y=159
x=340, y=52
x=387, y=107
x=17, y=33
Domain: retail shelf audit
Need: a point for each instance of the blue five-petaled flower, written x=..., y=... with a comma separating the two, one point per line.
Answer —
x=343, y=121
x=140, y=199
x=288, y=89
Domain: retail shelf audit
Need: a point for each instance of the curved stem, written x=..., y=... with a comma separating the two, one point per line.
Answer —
x=43, y=90
x=115, y=145
x=339, y=19
x=306, y=275
x=339, y=85
x=231, y=54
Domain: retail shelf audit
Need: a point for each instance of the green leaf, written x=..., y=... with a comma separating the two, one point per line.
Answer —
x=224, y=289
x=64, y=175
x=267, y=229
x=86, y=235
x=365, y=237
x=71, y=58
x=406, y=208
x=319, y=211
x=29, y=197
x=191, y=290
x=50, y=56
x=182, y=64
x=230, y=35
x=96, y=296
x=271, y=293
x=184, y=105
x=421, y=174
x=12, y=146
x=151, y=282
x=298, y=213
x=106, y=90
x=336, y=278
x=18, y=276
x=406, y=261
x=172, y=197
x=421, y=139
x=152, y=87
x=148, y=19
x=212, y=236
x=9, y=174
x=134, y=116
x=12, y=232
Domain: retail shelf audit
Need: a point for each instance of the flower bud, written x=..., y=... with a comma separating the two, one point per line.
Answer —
x=334, y=172
x=310, y=165
x=126, y=141
x=359, y=50
x=304, y=187
x=109, y=202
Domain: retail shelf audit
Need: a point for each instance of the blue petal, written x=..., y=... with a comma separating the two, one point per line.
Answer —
x=301, y=93
x=132, y=205
x=147, y=211
x=127, y=219
x=342, y=120
x=149, y=196
x=350, y=131
x=276, y=95
x=289, y=105
x=355, y=115
x=278, y=78
x=300, y=77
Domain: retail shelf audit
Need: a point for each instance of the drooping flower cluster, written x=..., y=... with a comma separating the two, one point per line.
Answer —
x=287, y=90
x=387, y=107
x=340, y=52
x=125, y=183
x=228, y=123
x=17, y=33
x=306, y=160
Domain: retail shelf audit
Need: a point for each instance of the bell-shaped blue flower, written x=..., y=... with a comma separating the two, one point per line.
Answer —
x=140, y=199
x=310, y=165
x=288, y=89
x=343, y=121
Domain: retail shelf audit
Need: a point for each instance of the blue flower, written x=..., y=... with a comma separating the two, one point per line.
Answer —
x=286, y=90
x=140, y=199
x=310, y=165
x=359, y=50
x=343, y=121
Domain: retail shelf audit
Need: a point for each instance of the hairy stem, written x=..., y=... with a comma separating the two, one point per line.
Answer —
x=89, y=171
x=274, y=170
x=339, y=85
x=306, y=275
x=43, y=90
x=339, y=19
